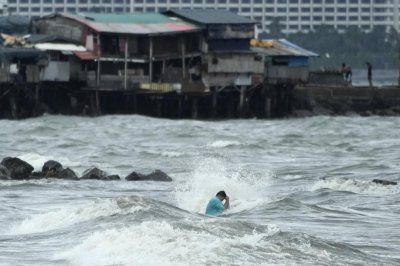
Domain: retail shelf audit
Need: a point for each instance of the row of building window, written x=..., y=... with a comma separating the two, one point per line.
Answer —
x=236, y=10
x=198, y=1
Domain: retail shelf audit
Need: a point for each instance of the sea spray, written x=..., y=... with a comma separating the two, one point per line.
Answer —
x=212, y=174
x=69, y=216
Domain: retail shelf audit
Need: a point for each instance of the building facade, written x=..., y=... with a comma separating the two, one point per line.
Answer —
x=295, y=15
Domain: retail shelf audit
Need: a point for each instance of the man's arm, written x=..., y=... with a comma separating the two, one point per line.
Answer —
x=226, y=204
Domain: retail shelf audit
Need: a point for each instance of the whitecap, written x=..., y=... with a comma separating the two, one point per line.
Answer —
x=224, y=143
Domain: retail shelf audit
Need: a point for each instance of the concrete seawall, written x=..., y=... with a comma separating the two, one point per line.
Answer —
x=335, y=100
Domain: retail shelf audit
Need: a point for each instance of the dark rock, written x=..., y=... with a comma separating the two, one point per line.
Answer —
x=67, y=174
x=134, y=177
x=157, y=175
x=18, y=168
x=4, y=173
x=113, y=177
x=384, y=182
x=94, y=173
x=36, y=175
x=51, y=168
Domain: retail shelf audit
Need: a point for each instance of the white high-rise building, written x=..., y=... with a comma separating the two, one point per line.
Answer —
x=295, y=15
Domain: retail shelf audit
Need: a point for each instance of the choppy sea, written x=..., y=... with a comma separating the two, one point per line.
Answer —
x=300, y=189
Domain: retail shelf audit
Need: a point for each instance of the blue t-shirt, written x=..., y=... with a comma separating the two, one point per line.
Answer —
x=214, y=207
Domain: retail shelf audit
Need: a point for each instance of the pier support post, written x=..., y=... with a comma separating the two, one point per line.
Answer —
x=241, y=100
x=180, y=107
x=159, y=107
x=194, y=108
x=267, y=107
x=126, y=64
x=98, y=109
x=214, y=102
x=150, y=59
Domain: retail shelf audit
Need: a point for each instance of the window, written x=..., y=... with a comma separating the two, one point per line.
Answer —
x=115, y=1
x=317, y=18
x=294, y=10
x=35, y=9
x=341, y=10
x=148, y=1
x=83, y=1
x=257, y=1
x=329, y=9
x=119, y=9
x=317, y=1
x=353, y=9
x=48, y=1
x=12, y=1
x=293, y=27
x=269, y=10
x=48, y=9
x=258, y=18
x=353, y=1
x=35, y=1
x=305, y=27
x=257, y=9
x=282, y=1
x=341, y=1
x=305, y=18
x=71, y=9
x=71, y=1
x=353, y=18
x=329, y=18
x=83, y=9
x=281, y=9
x=317, y=9
x=59, y=9
x=24, y=1
x=294, y=1
x=293, y=18
x=341, y=18
x=95, y=1
x=234, y=9
x=150, y=9
x=366, y=10
x=365, y=18
x=219, y=1
x=305, y=9
x=366, y=1
x=139, y=9
x=329, y=1
x=12, y=10
x=245, y=9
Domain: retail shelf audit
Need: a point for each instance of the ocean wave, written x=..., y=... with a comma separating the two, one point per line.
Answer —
x=355, y=186
x=210, y=175
x=164, y=243
x=224, y=143
x=209, y=242
x=69, y=216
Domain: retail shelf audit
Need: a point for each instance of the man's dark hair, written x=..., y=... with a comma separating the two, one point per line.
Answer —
x=222, y=194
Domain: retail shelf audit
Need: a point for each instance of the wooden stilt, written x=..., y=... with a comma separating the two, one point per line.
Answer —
x=159, y=107
x=267, y=107
x=98, y=108
x=194, y=108
x=214, y=102
x=241, y=100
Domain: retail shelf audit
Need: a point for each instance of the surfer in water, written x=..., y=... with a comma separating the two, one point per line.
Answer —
x=215, y=206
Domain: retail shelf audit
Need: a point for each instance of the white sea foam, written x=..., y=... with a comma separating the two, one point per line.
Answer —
x=160, y=243
x=37, y=160
x=211, y=175
x=224, y=143
x=355, y=186
x=70, y=215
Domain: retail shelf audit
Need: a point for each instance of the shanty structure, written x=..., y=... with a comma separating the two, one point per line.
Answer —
x=127, y=50
x=227, y=61
x=285, y=62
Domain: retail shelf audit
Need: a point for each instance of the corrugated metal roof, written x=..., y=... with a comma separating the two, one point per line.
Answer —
x=146, y=18
x=210, y=16
x=150, y=24
x=283, y=47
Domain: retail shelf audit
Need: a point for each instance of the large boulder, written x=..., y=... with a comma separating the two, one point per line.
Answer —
x=51, y=168
x=96, y=173
x=384, y=182
x=18, y=168
x=67, y=174
x=134, y=176
x=4, y=173
x=157, y=175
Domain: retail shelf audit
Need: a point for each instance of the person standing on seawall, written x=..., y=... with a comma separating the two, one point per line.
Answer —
x=369, y=73
x=215, y=206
